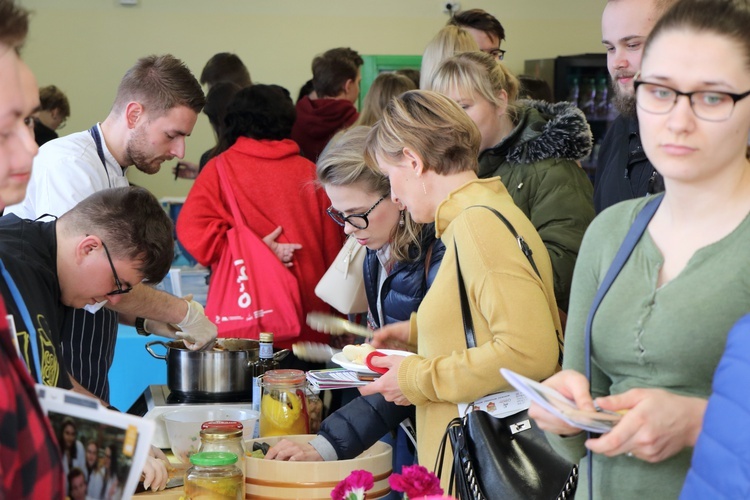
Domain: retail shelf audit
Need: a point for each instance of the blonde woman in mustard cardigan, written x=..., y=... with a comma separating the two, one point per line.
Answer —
x=428, y=148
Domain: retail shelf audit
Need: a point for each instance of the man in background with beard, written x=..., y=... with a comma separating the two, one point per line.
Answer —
x=156, y=107
x=624, y=172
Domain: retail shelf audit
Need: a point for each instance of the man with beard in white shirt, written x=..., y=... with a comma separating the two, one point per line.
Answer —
x=156, y=107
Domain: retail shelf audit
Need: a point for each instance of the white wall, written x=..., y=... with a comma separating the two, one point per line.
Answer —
x=85, y=46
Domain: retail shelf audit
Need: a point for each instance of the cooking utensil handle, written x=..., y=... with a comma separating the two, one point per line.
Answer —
x=278, y=356
x=360, y=330
x=151, y=352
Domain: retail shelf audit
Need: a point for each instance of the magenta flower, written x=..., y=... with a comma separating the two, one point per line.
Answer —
x=415, y=481
x=354, y=486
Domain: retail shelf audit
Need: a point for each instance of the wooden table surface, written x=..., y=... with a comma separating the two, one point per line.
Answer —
x=170, y=494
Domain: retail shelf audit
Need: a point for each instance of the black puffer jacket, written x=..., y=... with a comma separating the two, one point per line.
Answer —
x=406, y=286
x=357, y=426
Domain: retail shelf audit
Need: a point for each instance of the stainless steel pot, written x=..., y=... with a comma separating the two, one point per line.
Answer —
x=225, y=370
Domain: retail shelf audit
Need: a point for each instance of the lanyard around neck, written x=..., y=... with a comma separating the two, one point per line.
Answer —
x=94, y=131
x=26, y=317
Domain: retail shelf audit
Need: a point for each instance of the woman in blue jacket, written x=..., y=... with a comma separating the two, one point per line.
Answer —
x=402, y=260
x=720, y=467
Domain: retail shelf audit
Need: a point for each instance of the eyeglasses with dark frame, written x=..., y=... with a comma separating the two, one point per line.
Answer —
x=708, y=105
x=120, y=290
x=340, y=219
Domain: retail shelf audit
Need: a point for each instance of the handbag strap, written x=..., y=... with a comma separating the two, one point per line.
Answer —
x=626, y=249
x=471, y=340
x=466, y=310
x=226, y=187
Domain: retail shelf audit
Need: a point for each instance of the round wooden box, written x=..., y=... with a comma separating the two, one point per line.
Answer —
x=273, y=480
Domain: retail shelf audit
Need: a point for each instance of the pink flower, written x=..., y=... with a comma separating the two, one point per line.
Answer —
x=416, y=481
x=354, y=486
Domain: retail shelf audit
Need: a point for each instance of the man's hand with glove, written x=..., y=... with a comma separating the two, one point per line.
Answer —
x=195, y=329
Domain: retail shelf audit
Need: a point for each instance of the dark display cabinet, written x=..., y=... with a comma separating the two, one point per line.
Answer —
x=583, y=80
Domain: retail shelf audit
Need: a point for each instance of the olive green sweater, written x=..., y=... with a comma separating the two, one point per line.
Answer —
x=670, y=337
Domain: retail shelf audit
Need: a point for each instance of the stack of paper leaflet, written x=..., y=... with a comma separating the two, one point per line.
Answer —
x=337, y=378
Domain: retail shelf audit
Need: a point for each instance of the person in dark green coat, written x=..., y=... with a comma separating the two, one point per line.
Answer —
x=534, y=147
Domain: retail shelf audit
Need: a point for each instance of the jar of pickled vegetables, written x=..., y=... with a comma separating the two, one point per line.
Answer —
x=283, y=404
x=214, y=475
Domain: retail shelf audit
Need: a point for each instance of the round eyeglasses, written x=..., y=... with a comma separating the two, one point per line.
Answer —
x=358, y=221
x=708, y=105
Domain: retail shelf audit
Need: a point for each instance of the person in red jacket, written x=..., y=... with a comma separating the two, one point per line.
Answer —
x=274, y=186
x=336, y=80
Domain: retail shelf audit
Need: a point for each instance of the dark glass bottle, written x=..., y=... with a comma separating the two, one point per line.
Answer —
x=265, y=362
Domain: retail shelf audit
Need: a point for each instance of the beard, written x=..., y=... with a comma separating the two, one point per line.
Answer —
x=137, y=152
x=623, y=100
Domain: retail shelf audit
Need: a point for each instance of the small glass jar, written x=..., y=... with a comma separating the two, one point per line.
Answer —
x=314, y=408
x=283, y=404
x=223, y=435
x=215, y=475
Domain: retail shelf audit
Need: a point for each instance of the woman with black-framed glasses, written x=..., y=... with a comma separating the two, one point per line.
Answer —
x=659, y=332
x=396, y=278
x=402, y=261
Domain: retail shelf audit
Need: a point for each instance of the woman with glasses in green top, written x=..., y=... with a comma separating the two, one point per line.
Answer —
x=659, y=332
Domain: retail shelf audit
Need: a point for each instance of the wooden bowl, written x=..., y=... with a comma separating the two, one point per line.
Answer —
x=273, y=479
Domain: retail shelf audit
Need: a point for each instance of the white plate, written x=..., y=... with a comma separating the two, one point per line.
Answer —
x=341, y=360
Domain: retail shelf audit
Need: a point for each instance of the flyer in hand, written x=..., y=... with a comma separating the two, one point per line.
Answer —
x=560, y=406
x=336, y=378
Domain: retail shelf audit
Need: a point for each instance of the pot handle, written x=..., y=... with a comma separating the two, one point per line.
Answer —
x=277, y=356
x=152, y=353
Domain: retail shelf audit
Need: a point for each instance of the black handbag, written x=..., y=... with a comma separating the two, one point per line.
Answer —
x=507, y=457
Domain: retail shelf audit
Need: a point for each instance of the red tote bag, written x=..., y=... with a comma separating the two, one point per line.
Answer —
x=251, y=291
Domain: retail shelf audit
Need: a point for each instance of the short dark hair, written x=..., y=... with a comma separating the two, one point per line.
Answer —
x=305, y=89
x=133, y=224
x=225, y=67
x=260, y=112
x=160, y=83
x=217, y=103
x=479, y=20
x=14, y=24
x=74, y=473
x=534, y=88
x=51, y=97
x=333, y=68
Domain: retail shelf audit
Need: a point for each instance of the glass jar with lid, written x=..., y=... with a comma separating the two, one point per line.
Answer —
x=223, y=435
x=215, y=475
x=283, y=404
x=314, y=408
